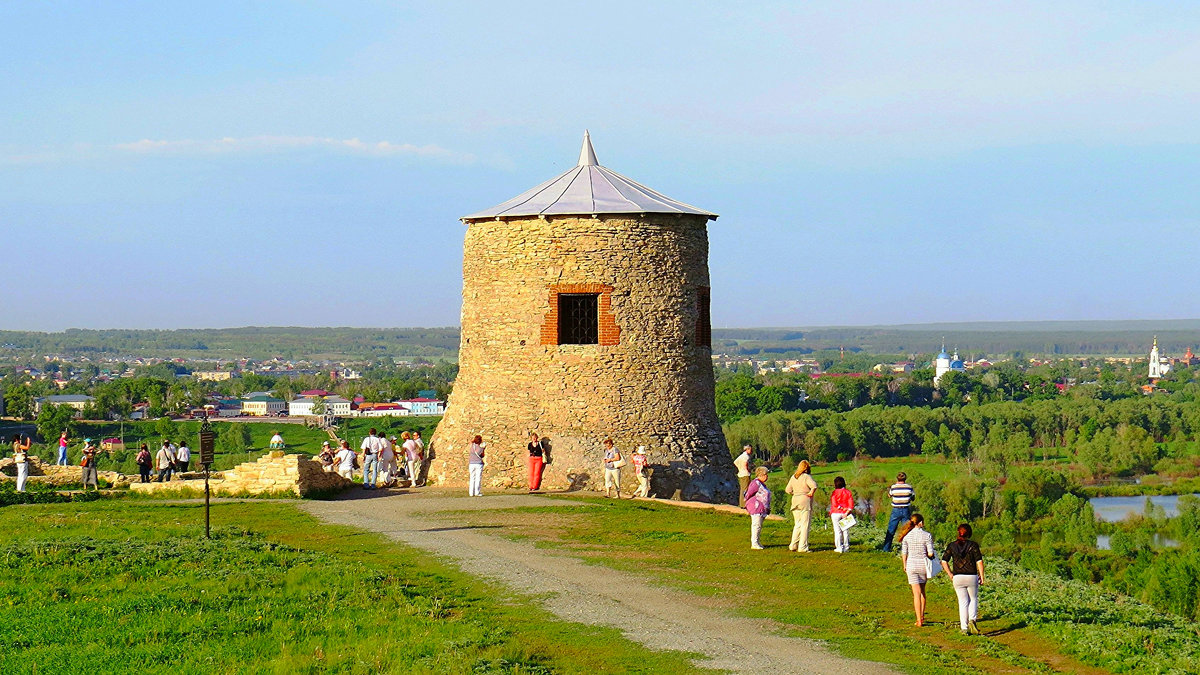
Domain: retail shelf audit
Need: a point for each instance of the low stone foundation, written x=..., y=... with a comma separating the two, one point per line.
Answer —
x=58, y=476
x=273, y=473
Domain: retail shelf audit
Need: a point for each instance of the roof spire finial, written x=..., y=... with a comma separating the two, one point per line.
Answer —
x=587, y=156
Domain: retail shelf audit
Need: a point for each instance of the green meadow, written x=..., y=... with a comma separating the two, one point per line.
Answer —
x=133, y=587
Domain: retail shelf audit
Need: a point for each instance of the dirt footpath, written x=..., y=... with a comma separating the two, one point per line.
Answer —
x=657, y=617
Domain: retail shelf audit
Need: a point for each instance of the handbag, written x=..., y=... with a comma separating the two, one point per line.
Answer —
x=932, y=566
x=619, y=462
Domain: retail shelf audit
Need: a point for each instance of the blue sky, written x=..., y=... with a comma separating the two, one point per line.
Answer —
x=304, y=163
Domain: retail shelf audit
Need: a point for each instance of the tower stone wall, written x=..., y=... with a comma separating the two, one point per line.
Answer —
x=648, y=382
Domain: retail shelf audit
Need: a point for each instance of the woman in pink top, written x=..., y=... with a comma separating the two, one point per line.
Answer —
x=841, y=504
x=758, y=505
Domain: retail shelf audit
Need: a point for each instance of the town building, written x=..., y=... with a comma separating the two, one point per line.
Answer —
x=944, y=363
x=213, y=375
x=381, y=410
x=76, y=401
x=262, y=405
x=334, y=405
x=1159, y=365
x=423, y=406
x=585, y=316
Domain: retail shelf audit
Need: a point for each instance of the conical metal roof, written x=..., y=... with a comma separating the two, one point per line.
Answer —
x=587, y=189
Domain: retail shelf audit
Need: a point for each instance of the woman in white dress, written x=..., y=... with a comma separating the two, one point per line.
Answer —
x=916, y=552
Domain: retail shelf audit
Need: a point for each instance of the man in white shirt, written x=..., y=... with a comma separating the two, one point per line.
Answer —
x=387, y=462
x=371, y=447
x=182, y=456
x=742, y=462
x=164, y=461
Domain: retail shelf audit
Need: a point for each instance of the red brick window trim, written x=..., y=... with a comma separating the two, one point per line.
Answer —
x=609, y=333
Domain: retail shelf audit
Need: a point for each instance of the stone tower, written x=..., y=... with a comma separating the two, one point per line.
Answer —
x=585, y=316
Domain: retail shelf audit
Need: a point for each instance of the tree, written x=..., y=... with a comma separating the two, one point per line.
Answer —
x=18, y=402
x=165, y=428
x=318, y=406
x=53, y=420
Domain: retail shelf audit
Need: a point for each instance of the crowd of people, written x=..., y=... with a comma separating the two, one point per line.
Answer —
x=962, y=560
x=382, y=460
x=169, y=460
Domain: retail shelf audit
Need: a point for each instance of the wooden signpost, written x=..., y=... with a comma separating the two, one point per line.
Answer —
x=208, y=442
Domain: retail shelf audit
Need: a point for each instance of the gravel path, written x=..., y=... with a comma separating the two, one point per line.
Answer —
x=657, y=617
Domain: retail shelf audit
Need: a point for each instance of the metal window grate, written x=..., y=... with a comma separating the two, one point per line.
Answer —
x=703, y=318
x=578, y=318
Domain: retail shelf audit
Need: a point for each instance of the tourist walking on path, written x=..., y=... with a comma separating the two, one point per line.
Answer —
x=536, y=462
x=841, y=504
x=90, y=475
x=371, y=447
x=276, y=441
x=144, y=462
x=639, y=470
x=21, y=458
x=901, y=494
x=387, y=462
x=916, y=552
x=742, y=462
x=475, y=466
x=183, y=457
x=165, y=461
x=801, y=487
x=62, y=448
x=963, y=561
x=758, y=505
x=613, y=461
x=346, y=459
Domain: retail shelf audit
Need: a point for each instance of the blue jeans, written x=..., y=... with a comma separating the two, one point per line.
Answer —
x=899, y=515
x=62, y=456
x=370, y=470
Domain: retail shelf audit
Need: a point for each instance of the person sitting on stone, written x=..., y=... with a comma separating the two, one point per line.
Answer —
x=326, y=457
x=276, y=441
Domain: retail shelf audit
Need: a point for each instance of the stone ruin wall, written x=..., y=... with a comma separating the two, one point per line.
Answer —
x=273, y=473
x=647, y=383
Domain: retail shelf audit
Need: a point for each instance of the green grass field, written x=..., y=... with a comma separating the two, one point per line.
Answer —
x=860, y=602
x=121, y=586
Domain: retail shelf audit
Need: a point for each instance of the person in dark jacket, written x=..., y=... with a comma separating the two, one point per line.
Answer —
x=963, y=561
x=144, y=462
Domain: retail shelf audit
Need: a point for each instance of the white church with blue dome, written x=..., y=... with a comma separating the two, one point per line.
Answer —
x=945, y=363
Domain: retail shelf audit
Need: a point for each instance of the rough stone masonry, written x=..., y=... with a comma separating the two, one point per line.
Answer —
x=649, y=380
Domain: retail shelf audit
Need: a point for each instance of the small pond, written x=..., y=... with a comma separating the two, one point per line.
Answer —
x=1102, y=542
x=1113, y=509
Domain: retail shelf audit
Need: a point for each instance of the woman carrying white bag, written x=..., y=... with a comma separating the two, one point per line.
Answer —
x=917, y=557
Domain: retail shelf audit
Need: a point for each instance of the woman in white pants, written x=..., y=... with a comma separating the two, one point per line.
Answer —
x=21, y=457
x=475, y=465
x=964, y=562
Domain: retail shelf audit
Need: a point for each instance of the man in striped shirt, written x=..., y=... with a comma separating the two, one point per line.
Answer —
x=902, y=496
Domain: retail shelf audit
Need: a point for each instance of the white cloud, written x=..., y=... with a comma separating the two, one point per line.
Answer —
x=252, y=144
x=230, y=145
